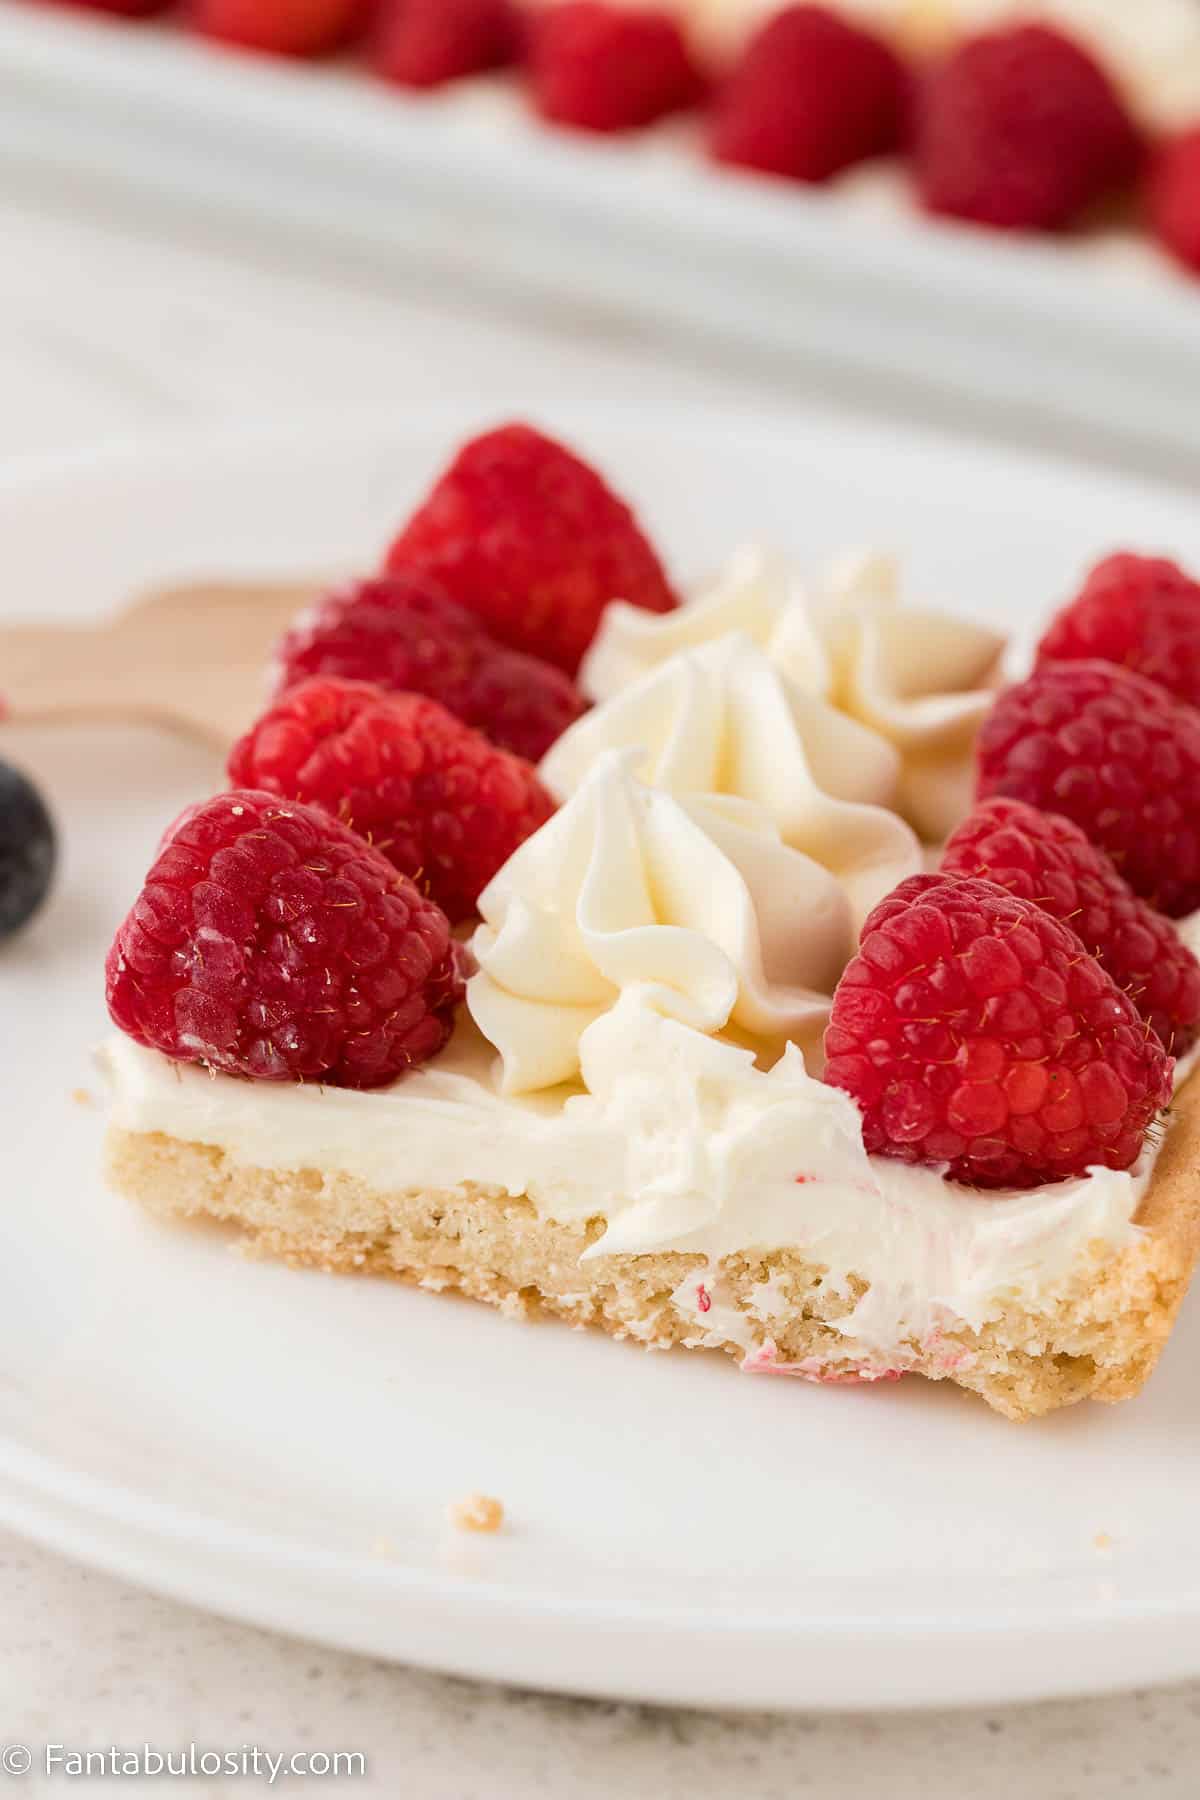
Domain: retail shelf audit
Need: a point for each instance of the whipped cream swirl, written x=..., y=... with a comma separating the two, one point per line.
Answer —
x=695, y=900
x=722, y=720
x=919, y=680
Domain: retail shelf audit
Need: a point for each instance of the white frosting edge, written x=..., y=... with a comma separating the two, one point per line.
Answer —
x=681, y=1144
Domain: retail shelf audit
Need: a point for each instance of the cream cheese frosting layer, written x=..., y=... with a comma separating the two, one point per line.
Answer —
x=679, y=1142
x=917, y=680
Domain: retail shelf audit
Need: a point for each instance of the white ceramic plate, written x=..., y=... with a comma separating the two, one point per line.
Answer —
x=1101, y=333
x=283, y=1446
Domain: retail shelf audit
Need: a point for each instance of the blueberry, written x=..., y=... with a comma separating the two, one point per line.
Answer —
x=28, y=849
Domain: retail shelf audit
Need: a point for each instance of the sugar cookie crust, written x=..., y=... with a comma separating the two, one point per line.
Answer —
x=1097, y=1337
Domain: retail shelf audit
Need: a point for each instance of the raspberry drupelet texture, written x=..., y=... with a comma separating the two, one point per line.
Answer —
x=426, y=43
x=534, y=542
x=1142, y=612
x=599, y=67
x=1020, y=128
x=273, y=942
x=403, y=631
x=442, y=803
x=975, y=1031
x=1044, y=858
x=1115, y=753
x=1173, y=197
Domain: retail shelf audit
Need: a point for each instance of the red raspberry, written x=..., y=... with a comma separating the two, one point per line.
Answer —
x=974, y=1030
x=280, y=27
x=271, y=941
x=402, y=631
x=1020, y=128
x=533, y=541
x=600, y=67
x=424, y=43
x=1142, y=612
x=1173, y=197
x=1043, y=858
x=126, y=9
x=811, y=95
x=1115, y=753
x=443, y=804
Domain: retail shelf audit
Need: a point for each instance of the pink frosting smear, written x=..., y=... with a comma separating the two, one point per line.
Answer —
x=766, y=1361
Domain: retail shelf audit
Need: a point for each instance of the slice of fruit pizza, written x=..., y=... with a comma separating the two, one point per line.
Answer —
x=690, y=1032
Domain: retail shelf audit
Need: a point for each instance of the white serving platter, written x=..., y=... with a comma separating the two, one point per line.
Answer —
x=282, y=1446
x=1097, y=334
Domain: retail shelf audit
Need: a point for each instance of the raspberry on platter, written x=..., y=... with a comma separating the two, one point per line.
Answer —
x=1173, y=197
x=599, y=67
x=426, y=43
x=1021, y=128
x=280, y=27
x=811, y=95
x=125, y=9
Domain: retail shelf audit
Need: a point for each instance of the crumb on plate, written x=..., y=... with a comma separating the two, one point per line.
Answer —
x=478, y=1512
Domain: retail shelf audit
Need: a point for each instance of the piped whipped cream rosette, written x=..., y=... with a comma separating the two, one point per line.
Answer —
x=723, y=837
x=917, y=679
x=722, y=720
x=690, y=899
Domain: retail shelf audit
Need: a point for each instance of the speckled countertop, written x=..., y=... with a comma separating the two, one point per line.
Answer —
x=88, y=1661
x=172, y=329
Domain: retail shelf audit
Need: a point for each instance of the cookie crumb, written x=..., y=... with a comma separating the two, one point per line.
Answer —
x=83, y=1097
x=478, y=1512
x=1102, y=1541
